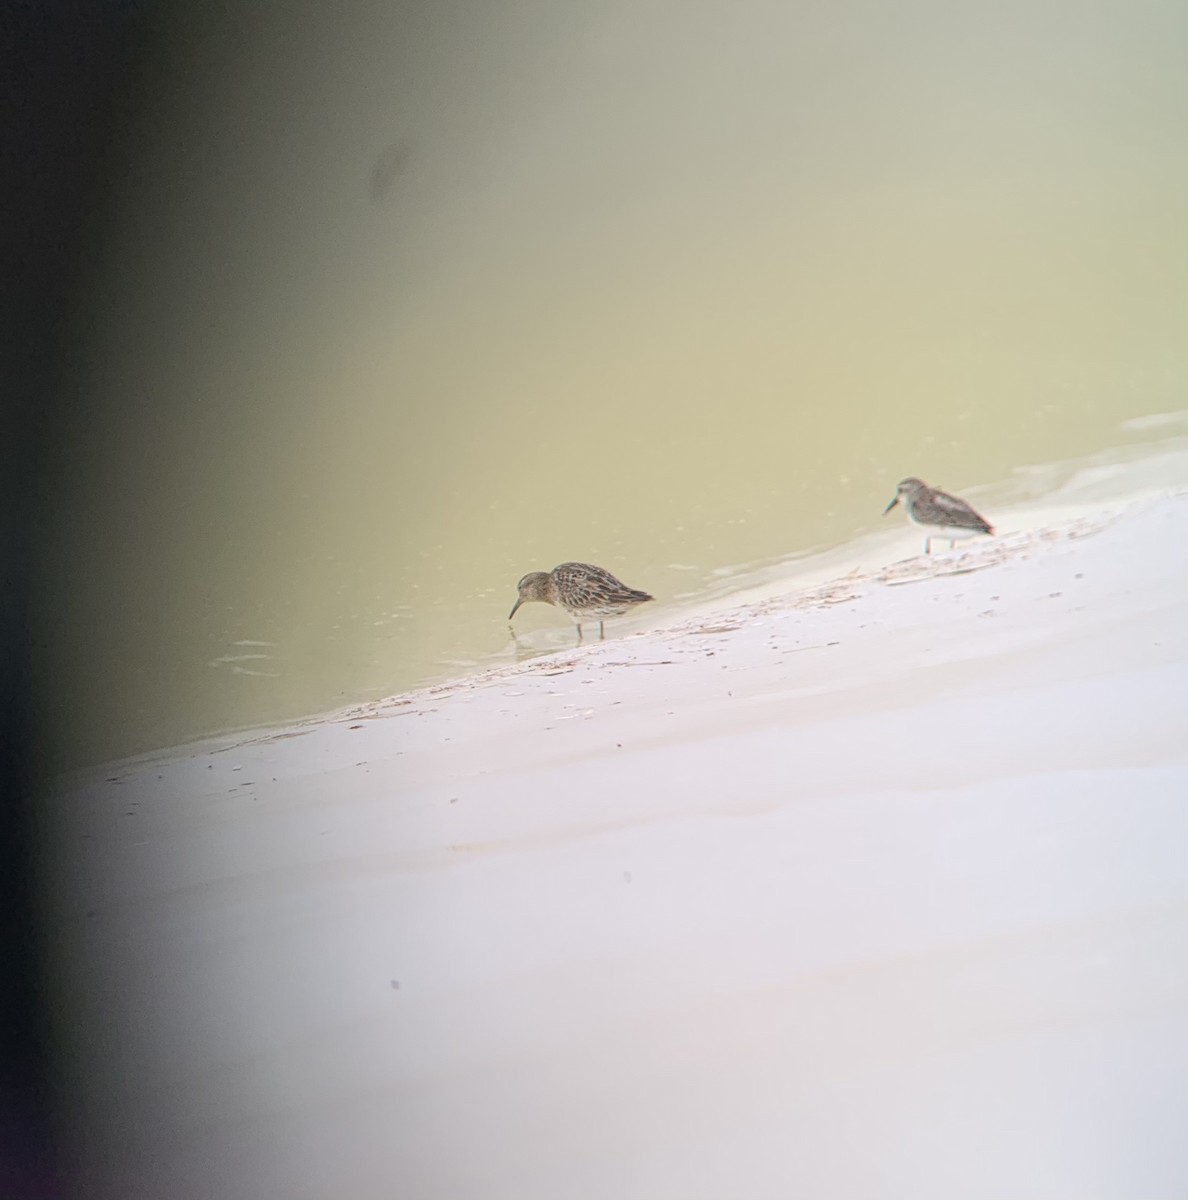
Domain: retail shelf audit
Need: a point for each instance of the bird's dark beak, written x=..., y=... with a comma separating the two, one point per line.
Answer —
x=891, y=505
x=515, y=607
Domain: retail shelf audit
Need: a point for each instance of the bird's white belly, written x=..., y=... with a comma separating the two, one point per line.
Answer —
x=953, y=532
x=597, y=612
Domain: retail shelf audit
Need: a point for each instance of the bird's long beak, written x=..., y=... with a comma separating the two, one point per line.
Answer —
x=891, y=506
x=515, y=607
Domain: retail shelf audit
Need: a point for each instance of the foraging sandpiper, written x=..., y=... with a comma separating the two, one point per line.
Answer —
x=585, y=592
x=944, y=515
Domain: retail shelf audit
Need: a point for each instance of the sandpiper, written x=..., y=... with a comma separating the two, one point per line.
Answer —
x=946, y=516
x=587, y=593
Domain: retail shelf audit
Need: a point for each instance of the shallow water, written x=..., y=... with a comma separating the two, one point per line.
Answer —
x=391, y=312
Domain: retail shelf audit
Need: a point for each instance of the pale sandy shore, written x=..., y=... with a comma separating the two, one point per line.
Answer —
x=876, y=888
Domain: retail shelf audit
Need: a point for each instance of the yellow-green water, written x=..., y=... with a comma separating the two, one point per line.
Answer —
x=401, y=301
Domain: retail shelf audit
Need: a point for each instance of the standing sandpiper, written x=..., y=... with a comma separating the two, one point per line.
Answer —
x=587, y=593
x=943, y=515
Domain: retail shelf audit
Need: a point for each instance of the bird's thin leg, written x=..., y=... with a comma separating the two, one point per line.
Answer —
x=579, y=625
x=601, y=632
x=952, y=543
x=928, y=545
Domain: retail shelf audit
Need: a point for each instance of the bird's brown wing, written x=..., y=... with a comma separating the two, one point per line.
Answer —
x=956, y=512
x=587, y=586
